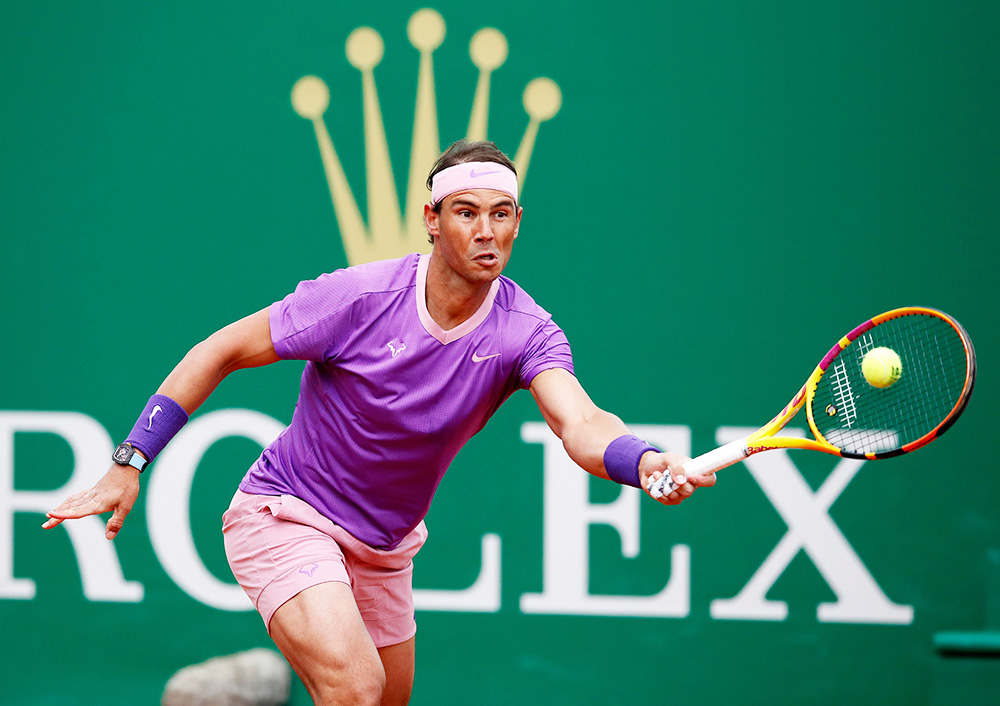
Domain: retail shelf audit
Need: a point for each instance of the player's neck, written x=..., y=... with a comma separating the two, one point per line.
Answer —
x=452, y=300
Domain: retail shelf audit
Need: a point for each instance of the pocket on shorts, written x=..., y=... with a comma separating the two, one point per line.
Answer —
x=292, y=509
x=369, y=599
x=243, y=505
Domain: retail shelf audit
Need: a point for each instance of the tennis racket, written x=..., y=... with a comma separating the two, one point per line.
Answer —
x=851, y=418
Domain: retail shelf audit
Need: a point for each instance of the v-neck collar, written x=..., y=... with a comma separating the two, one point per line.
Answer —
x=431, y=326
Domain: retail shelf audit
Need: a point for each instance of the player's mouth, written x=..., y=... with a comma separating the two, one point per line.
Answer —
x=487, y=258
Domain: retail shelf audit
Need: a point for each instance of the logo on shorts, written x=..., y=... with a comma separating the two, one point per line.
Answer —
x=309, y=569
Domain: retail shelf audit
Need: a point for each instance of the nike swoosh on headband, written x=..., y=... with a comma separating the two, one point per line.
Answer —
x=475, y=175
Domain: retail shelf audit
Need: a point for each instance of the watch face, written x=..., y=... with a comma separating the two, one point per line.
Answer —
x=122, y=454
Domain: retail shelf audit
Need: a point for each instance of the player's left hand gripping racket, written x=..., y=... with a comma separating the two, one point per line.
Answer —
x=851, y=417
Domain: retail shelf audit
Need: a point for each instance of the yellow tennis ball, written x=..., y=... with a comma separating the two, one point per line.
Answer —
x=881, y=367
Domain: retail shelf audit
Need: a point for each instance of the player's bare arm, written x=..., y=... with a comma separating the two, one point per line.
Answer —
x=243, y=344
x=586, y=432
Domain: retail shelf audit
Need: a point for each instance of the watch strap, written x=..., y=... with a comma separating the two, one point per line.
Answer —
x=137, y=461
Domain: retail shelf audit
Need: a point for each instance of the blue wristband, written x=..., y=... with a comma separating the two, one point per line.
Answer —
x=621, y=459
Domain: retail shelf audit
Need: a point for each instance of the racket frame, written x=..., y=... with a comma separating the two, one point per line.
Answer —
x=764, y=439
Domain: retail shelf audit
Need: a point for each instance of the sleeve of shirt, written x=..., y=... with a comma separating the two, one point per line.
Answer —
x=310, y=323
x=546, y=348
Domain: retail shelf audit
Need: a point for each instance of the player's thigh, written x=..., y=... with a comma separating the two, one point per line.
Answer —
x=323, y=637
x=398, y=662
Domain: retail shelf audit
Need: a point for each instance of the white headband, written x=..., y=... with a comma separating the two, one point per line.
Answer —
x=473, y=175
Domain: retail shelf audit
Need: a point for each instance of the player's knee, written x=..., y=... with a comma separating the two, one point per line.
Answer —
x=361, y=687
x=369, y=688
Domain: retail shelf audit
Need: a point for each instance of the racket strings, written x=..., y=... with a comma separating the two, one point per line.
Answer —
x=859, y=418
x=938, y=378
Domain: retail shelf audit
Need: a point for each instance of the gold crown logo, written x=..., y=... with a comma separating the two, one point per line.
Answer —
x=391, y=232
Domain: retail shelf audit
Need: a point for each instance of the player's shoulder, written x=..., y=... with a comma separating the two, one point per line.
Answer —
x=514, y=300
x=374, y=277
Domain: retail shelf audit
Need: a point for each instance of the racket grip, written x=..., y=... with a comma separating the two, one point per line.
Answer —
x=714, y=460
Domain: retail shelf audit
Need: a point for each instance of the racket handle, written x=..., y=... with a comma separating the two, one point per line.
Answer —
x=714, y=460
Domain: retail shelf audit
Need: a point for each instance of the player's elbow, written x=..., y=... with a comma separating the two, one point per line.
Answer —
x=213, y=357
x=245, y=344
x=586, y=439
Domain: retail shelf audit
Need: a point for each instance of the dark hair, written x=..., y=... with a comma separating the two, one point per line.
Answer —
x=466, y=151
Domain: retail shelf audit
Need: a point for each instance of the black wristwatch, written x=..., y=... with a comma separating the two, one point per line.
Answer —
x=127, y=455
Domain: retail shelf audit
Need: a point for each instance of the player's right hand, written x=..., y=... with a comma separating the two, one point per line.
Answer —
x=653, y=466
x=116, y=491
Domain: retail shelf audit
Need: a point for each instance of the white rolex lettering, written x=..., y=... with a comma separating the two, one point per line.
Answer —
x=100, y=570
x=483, y=596
x=810, y=528
x=168, y=502
x=569, y=515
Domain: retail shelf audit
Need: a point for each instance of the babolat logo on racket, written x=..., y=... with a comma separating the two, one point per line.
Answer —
x=392, y=231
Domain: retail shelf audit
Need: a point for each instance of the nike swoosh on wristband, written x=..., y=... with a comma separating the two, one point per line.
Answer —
x=476, y=358
x=152, y=414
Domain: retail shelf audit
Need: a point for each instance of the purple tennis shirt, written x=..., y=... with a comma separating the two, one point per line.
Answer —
x=388, y=397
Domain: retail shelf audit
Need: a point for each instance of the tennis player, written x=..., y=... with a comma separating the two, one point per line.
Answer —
x=405, y=360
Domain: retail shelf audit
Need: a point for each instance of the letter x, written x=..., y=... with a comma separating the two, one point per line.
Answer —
x=810, y=527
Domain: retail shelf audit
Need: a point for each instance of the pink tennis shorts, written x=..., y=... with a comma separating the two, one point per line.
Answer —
x=278, y=546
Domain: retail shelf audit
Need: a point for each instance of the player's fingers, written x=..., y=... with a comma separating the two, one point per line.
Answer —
x=116, y=521
x=72, y=508
x=677, y=473
x=80, y=508
x=677, y=495
x=675, y=498
x=655, y=476
x=72, y=499
x=705, y=481
x=684, y=491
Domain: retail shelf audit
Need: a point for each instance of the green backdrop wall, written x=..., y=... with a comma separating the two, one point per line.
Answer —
x=724, y=189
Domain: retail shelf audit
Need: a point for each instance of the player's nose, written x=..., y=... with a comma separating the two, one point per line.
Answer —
x=484, y=229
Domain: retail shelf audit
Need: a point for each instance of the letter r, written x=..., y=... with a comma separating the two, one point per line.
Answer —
x=99, y=567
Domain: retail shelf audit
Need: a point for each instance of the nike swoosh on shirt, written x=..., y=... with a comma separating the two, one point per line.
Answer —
x=476, y=358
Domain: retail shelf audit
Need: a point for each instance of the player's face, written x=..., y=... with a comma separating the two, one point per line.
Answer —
x=474, y=233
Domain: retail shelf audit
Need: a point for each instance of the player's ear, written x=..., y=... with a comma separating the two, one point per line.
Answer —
x=517, y=225
x=432, y=220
